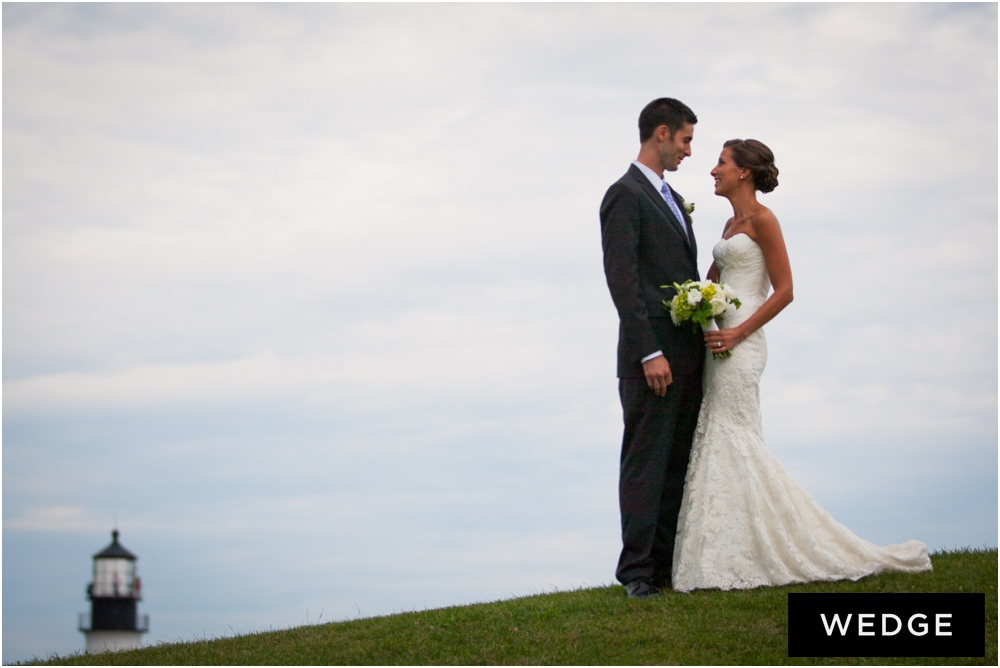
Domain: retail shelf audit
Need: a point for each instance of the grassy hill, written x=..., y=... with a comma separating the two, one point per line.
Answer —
x=585, y=627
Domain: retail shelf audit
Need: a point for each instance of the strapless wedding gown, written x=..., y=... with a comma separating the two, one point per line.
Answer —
x=744, y=522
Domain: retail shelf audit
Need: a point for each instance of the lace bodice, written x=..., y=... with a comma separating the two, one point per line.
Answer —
x=741, y=266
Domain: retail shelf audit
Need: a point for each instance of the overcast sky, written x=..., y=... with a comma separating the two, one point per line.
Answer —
x=309, y=301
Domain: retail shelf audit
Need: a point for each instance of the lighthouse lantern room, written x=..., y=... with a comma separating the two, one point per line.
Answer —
x=114, y=623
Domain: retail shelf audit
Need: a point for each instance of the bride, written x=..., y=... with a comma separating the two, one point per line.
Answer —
x=744, y=522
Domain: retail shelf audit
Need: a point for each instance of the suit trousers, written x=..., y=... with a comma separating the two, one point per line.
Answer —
x=656, y=447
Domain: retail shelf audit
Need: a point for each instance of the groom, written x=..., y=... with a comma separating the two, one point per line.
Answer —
x=648, y=242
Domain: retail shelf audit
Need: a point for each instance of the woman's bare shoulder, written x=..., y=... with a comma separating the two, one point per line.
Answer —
x=765, y=223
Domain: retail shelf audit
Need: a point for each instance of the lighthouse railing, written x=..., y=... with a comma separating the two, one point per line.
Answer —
x=141, y=623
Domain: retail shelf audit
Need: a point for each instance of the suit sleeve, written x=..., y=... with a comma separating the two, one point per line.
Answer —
x=620, y=234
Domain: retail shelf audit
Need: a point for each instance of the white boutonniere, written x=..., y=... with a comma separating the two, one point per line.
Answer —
x=689, y=207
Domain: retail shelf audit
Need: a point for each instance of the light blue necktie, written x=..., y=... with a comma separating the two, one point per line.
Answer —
x=668, y=197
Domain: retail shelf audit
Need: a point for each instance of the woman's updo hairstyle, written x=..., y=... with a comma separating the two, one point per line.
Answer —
x=755, y=156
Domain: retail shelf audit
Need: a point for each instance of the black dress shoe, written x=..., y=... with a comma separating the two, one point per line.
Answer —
x=641, y=588
x=661, y=581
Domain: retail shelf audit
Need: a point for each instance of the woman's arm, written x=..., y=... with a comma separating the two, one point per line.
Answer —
x=713, y=273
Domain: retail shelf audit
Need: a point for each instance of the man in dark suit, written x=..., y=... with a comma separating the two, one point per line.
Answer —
x=648, y=243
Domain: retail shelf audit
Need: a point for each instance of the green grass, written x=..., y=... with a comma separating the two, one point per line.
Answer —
x=585, y=627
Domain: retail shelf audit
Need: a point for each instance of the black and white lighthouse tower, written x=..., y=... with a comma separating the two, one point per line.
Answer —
x=114, y=622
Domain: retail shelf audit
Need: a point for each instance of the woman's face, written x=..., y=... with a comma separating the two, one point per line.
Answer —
x=726, y=173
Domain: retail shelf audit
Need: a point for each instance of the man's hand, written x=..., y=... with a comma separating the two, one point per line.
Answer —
x=658, y=375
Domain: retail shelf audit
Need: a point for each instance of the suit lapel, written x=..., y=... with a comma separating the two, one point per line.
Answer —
x=686, y=223
x=679, y=227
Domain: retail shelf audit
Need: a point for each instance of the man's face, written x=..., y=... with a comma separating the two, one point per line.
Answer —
x=675, y=148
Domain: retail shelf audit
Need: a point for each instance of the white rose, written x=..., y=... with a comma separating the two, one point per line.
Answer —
x=719, y=305
x=694, y=297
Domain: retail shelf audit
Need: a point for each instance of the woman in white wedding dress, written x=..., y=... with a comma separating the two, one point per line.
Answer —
x=744, y=522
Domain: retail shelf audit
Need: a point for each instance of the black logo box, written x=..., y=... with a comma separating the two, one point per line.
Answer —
x=880, y=625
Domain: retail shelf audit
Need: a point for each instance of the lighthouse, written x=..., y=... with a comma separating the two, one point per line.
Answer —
x=114, y=623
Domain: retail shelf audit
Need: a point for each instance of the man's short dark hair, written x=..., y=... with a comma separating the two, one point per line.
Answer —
x=664, y=111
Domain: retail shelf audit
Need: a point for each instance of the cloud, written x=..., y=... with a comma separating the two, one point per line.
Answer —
x=55, y=518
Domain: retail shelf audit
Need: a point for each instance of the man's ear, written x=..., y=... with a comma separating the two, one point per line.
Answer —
x=662, y=133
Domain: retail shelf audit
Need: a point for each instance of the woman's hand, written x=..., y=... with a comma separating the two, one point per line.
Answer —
x=720, y=341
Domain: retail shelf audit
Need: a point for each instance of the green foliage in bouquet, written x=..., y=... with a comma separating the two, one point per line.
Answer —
x=699, y=302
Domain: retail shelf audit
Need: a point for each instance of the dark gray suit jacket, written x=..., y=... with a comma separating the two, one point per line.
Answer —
x=645, y=248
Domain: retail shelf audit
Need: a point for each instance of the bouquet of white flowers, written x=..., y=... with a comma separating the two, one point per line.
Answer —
x=700, y=303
